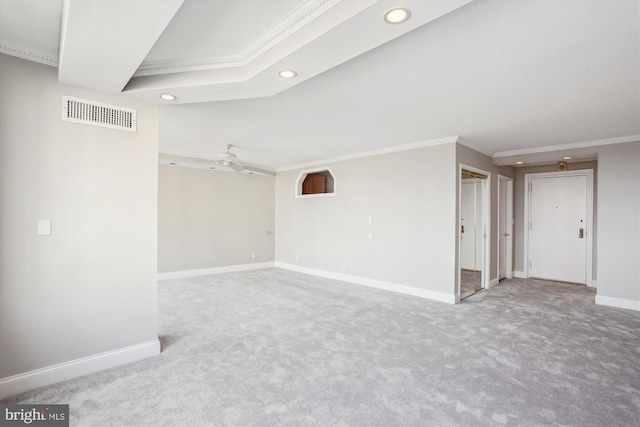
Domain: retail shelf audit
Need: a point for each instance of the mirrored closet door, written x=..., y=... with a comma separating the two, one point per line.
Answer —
x=472, y=231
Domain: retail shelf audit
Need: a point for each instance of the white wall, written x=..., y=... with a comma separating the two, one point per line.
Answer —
x=619, y=225
x=212, y=219
x=411, y=199
x=90, y=287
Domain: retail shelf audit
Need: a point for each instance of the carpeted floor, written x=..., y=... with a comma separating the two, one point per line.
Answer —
x=277, y=348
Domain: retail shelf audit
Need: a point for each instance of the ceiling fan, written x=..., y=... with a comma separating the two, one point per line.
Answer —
x=229, y=160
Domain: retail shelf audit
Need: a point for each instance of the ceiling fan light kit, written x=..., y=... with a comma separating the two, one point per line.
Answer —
x=229, y=159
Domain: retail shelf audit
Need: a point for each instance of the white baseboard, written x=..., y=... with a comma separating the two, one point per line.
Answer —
x=214, y=270
x=618, y=302
x=387, y=286
x=493, y=282
x=20, y=383
x=519, y=274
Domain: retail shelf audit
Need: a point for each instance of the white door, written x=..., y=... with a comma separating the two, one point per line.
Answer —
x=480, y=231
x=505, y=222
x=557, y=228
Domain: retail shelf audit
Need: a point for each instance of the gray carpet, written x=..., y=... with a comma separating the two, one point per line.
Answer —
x=276, y=348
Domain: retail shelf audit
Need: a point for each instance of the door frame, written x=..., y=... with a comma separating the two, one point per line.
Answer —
x=588, y=173
x=487, y=230
x=508, y=260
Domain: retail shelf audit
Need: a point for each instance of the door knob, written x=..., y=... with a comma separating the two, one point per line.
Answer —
x=507, y=234
x=581, y=233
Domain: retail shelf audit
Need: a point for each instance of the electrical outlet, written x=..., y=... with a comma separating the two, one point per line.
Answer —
x=253, y=254
x=344, y=264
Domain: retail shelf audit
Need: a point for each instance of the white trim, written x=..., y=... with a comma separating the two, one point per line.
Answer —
x=380, y=151
x=303, y=174
x=307, y=12
x=20, y=383
x=493, y=282
x=387, y=286
x=618, y=302
x=29, y=54
x=214, y=270
x=570, y=146
x=589, y=222
x=311, y=196
x=474, y=146
x=519, y=274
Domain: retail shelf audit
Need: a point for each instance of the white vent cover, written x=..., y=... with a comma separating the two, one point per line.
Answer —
x=93, y=113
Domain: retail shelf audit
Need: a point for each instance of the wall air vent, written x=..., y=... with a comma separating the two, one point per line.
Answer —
x=93, y=113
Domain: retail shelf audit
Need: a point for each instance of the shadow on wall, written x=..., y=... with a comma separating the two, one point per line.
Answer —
x=167, y=341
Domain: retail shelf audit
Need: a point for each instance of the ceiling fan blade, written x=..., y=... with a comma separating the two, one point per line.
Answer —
x=236, y=166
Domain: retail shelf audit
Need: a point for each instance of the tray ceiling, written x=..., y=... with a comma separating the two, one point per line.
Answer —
x=526, y=80
x=198, y=50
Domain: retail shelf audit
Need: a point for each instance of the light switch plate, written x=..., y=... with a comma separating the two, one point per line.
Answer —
x=44, y=227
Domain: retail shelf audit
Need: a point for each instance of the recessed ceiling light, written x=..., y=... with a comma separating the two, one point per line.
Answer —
x=566, y=157
x=168, y=97
x=397, y=15
x=519, y=162
x=287, y=74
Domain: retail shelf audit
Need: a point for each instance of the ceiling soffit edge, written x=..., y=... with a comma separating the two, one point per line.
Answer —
x=386, y=150
x=95, y=54
x=284, y=28
x=569, y=146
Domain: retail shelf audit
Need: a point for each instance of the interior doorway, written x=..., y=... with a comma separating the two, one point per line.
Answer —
x=558, y=226
x=473, y=231
x=505, y=227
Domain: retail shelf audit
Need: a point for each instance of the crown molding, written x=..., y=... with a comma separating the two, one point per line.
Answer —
x=569, y=146
x=474, y=146
x=284, y=28
x=387, y=150
x=23, y=52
